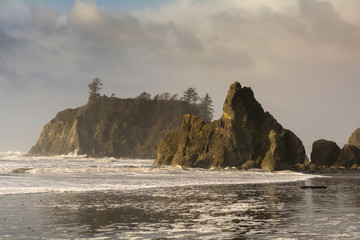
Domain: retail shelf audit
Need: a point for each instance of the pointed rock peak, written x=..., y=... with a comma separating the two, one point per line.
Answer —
x=355, y=138
x=241, y=104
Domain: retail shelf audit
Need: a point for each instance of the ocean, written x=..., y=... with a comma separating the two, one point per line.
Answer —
x=74, y=197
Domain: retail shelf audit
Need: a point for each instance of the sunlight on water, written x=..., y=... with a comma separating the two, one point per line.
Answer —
x=69, y=197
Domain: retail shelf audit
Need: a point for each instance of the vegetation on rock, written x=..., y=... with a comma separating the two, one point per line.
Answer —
x=206, y=111
x=110, y=126
x=191, y=96
x=94, y=89
x=206, y=108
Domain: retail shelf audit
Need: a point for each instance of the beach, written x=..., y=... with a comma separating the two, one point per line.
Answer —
x=148, y=202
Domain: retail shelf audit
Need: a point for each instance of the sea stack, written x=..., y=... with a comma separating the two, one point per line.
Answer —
x=111, y=127
x=324, y=153
x=327, y=154
x=349, y=156
x=244, y=137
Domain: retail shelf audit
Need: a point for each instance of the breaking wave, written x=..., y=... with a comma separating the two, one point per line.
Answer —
x=24, y=174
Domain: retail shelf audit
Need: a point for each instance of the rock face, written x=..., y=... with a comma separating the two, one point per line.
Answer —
x=349, y=155
x=245, y=136
x=355, y=138
x=112, y=127
x=324, y=152
x=327, y=153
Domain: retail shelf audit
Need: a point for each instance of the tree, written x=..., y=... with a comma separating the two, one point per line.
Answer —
x=156, y=97
x=174, y=97
x=206, y=108
x=94, y=88
x=190, y=96
x=164, y=96
x=144, y=95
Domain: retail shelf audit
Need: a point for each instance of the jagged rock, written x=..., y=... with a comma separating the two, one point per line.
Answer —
x=349, y=155
x=324, y=152
x=354, y=167
x=248, y=164
x=243, y=133
x=112, y=127
x=355, y=138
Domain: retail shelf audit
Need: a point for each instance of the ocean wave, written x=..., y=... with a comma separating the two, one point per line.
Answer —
x=45, y=174
x=10, y=155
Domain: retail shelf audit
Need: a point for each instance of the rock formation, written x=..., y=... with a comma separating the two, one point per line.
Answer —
x=324, y=152
x=245, y=136
x=349, y=155
x=112, y=127
x=355, y=138
x=328, y=154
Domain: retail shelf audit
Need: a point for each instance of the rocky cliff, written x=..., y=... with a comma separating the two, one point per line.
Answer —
x=244, y=137
x=112, y=127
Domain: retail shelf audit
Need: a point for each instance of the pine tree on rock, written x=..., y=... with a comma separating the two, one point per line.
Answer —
x=94, y=89
x=190, y=96
x=206, y=108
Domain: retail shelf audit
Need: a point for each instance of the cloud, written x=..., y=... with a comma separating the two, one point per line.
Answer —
x=327, y=26
x=44, y=20
x=8, y=75
x=254, y=39
x=7, y=42
x=300, y=57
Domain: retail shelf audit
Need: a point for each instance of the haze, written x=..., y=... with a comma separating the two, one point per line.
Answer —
x=301, y=58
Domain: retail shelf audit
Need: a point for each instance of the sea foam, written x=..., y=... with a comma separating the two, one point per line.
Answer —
x=24, y=174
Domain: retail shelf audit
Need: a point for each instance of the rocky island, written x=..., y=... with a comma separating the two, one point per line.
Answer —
x=244, y=137
x=110, y=126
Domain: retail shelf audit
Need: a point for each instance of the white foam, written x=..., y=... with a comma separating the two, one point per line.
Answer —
x=11, y=155
x=19, y=174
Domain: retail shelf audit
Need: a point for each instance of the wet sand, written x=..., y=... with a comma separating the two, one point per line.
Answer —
x=253, y=211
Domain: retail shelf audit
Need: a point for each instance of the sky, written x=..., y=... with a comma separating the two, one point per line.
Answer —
x=300, y=57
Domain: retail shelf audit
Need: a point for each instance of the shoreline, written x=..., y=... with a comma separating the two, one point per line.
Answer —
x=333, y=172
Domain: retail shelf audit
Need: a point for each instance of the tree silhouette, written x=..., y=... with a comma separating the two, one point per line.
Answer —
x=206, y=108
x=94, y=89
x=190, y=96
x=144, y=96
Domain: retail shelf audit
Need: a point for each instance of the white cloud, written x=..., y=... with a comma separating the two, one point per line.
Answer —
x=85, y=13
